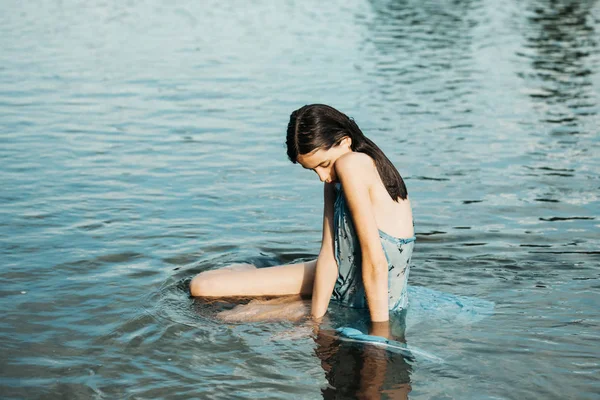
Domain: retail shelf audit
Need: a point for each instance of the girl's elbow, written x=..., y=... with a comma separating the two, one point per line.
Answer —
x=326, y=256
x=374, y=272
x=327, y=262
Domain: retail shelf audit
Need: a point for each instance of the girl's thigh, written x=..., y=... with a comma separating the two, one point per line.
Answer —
x=273, y=281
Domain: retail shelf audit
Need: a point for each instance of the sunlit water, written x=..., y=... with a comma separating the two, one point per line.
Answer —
x=142, y=143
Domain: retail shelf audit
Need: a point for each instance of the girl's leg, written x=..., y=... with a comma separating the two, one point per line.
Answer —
x=247, y=280
x=282, y=308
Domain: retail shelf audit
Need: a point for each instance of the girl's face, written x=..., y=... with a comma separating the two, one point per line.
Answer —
x=323, y=161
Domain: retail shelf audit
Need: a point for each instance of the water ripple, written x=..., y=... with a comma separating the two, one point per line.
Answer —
x=142, y=143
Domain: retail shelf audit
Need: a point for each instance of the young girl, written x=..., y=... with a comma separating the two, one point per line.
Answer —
x=368, y=234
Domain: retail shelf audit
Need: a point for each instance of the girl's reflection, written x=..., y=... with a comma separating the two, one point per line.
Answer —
x=364, y=371
x=353, y=370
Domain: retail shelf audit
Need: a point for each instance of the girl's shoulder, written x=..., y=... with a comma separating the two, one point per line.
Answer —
x=355, y=160
x=355, y=165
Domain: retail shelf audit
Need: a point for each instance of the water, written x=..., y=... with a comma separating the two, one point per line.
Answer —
x=142, y=142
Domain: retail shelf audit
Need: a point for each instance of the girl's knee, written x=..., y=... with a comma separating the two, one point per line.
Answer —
x=200, y=286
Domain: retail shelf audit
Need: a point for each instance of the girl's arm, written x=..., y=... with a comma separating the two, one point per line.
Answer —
x=326, y=269
x=357, y=172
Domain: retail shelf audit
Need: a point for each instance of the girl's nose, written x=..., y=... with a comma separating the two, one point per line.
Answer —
x=322, y=175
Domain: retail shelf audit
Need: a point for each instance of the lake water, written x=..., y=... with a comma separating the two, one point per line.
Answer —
x=142, y=143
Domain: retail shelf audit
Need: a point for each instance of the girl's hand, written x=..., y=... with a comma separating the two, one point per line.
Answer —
x=381, y=329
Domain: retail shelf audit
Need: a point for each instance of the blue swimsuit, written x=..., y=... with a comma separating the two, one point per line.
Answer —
x=349, y=289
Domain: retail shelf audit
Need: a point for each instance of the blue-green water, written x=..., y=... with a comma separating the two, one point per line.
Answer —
x=142, y=142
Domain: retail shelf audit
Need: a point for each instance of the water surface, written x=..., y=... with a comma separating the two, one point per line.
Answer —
x=142, y=143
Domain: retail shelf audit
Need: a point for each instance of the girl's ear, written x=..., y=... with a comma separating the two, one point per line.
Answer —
x=346, y=141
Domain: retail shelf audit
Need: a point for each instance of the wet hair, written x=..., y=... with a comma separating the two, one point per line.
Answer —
x=318, y=126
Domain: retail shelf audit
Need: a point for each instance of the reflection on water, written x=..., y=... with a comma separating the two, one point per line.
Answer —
x=437, y=57
x=560, y=45
x=141, y=143
x=361, y=371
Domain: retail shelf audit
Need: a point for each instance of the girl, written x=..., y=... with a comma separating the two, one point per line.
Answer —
x=368, y=233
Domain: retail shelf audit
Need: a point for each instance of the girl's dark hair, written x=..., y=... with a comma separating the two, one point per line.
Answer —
x=318, y=126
